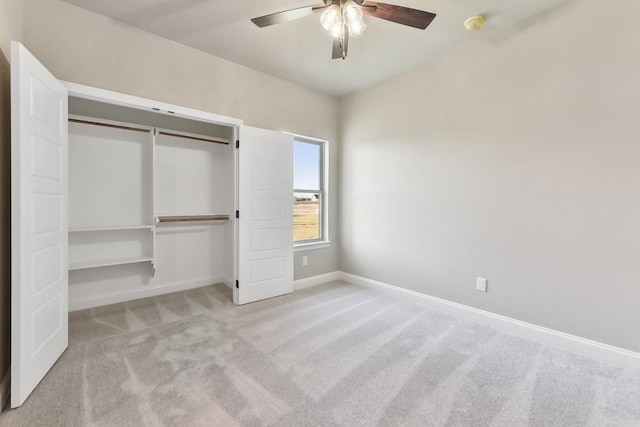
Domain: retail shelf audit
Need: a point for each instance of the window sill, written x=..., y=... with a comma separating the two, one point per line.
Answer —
x=311, y=246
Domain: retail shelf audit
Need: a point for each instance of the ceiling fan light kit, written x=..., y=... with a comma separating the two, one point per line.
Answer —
x=345, y=18
x=335, y=19
x=330, y=17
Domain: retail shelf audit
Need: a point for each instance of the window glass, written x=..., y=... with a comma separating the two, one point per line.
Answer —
x=308, y=191
x=306, y=217
x=306, y=166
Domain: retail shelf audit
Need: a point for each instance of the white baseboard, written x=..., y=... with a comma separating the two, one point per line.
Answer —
x=113, y=298
x=4, y=388
x=575, y=344
x=572, y=343
x=317, y=280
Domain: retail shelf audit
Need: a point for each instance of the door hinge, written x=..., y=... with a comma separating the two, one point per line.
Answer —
x=237, y=214
x=237, y=285
x=237, y=143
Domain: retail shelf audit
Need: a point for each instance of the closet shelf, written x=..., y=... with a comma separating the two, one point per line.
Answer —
x=192, y=218
x=107, y=262
x=128, y=227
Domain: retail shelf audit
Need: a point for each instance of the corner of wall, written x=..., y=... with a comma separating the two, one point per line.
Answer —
x=11, y=25
x=11, y=28
x=5, y=213
x=5, y=382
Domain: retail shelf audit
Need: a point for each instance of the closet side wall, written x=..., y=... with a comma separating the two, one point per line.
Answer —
x=83, y=47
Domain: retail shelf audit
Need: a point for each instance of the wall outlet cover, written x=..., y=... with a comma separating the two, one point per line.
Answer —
x=481, y=284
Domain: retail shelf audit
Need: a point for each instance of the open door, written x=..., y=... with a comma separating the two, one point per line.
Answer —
x=39, y=276
x=265, y=236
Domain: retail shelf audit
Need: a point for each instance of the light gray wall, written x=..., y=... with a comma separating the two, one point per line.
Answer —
x=515, y=158
x=10, y=29
x=83, y=47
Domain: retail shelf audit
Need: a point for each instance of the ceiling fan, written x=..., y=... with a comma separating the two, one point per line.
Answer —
x=344, y=18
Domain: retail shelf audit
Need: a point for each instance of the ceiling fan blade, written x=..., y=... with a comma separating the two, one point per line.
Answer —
x=336, y=52
x=341, y=45
x=287, y=15
x=345, y=42
x=399, y=14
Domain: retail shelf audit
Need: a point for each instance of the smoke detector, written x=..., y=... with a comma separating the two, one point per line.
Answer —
x=474, y=23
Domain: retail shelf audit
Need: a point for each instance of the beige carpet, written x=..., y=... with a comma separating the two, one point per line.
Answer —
x=335, y=354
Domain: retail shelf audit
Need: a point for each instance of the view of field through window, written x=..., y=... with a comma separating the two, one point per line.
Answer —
x=307, y=190
x=306, y=217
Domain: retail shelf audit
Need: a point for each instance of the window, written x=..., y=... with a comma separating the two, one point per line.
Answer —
x=309, y=222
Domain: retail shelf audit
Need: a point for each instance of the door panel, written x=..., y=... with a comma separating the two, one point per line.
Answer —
x=39, y=282
x=265, y=241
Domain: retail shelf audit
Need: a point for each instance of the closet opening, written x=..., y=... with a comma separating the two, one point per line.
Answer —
x=151, y=202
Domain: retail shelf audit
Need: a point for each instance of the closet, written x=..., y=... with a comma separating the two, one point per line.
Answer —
x=151, y=201
x=116, y=197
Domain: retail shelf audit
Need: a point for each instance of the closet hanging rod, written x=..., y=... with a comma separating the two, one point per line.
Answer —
x=193, y=218
x=195, y=138
x=108, y=125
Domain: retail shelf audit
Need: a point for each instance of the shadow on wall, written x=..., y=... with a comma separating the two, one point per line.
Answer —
x=5, y=215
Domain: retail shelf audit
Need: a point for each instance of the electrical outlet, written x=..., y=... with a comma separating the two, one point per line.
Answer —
x=481, y=284
x=305, y=260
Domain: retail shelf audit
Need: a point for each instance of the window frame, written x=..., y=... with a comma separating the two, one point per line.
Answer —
x=323, y=240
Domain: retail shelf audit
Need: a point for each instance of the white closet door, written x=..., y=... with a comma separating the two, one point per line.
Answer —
x=265, y=236
x=39, y=315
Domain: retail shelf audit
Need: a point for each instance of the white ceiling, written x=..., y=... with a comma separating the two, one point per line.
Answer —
x=300, y=51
